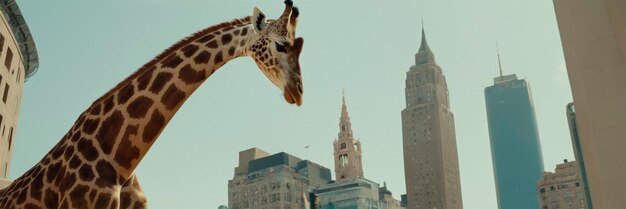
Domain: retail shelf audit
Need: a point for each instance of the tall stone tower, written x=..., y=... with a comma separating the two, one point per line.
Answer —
x=431, y=165
x=348, y=163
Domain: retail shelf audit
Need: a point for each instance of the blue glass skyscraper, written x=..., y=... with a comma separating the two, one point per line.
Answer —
x=515, y=148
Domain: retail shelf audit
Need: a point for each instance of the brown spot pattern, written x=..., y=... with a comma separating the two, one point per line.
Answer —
x=77, y=196
x=226, y=38
x=107, y=175
x=190, y=50
x=125, y=93
x=91, y=125
x=218, y=58
x=126, y=151
x=172, y=61
x=172, y=97
x=206, y=38
x=212, y=44
x=85, y=173
x=152, y=129
x=231, y=51
x=95, y=110
x=109, y=131
x=74, y=162
x=87, y=149
x=108, y=104
x=51, y=199
x=202, y=58
x=139, y=107
x=190, y=76
x=145, y=79
x=67, y=183
x=36, y=186
x=159, y=82
x=103, y=200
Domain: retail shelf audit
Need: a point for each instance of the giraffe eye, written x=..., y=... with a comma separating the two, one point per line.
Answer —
x=280, y=48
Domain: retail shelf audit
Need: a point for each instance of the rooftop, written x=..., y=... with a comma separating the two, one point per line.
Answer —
x=24, y=40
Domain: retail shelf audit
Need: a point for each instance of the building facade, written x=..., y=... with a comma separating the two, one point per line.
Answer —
x=347, y=150
x=561, y=189
x=593, y=34
x=18, y=56
x=515, y=148
x=580, y=160
x=279, y=181
x=431, y=165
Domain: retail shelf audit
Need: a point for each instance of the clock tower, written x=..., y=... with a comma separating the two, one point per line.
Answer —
x=348, y=164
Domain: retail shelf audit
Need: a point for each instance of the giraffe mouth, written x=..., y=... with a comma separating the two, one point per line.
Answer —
x=292, y=95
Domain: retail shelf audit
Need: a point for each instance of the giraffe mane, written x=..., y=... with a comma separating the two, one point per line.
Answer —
x=173, y=48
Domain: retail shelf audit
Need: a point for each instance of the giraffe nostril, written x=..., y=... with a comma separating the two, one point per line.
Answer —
x=299, y=86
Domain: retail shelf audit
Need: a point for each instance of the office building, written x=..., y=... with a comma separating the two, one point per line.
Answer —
x=562, y=188
x=431, y=165
x=515, y=148
x=274, y=181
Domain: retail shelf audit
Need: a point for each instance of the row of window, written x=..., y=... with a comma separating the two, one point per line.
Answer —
x=4, y=93
x=4, y=131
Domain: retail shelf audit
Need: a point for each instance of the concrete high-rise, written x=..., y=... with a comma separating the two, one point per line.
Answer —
x=593, y=34
x=20, y=61
x=515, y=148
x=561, y=189
x=431, y=165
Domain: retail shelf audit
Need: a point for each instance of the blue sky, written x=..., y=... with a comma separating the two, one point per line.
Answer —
x=365, y=46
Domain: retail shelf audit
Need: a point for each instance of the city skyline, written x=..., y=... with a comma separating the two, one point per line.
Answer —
x=83, y=57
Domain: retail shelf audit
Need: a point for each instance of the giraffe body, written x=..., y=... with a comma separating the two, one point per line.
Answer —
x=93, y=165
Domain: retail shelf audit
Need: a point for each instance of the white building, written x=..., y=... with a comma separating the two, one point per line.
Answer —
x=18, y=61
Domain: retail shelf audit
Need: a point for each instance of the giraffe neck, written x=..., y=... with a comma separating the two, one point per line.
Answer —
x=123, y=124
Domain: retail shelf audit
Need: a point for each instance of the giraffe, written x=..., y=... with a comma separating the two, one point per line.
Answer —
x=93, y=164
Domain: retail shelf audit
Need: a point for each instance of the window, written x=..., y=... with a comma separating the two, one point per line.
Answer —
x=8, y=59
x=1, y=120
x=343, y=145
x=6, y=93
x=10, y=137
x=1, y=42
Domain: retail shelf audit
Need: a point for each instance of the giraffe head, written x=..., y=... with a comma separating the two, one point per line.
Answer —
x=276, y=51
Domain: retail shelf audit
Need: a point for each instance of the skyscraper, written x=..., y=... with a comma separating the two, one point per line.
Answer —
x=431, y=165
x=515, y=148
x=593, y=34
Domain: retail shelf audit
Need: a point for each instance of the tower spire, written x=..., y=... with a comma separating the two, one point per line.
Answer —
x=424, y=44
x=347, y=153
x=344, y=122
x=424, y=55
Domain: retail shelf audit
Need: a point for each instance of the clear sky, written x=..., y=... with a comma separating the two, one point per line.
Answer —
x=365, y=46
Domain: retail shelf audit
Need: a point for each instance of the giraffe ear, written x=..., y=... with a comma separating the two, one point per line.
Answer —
x=258, y=20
